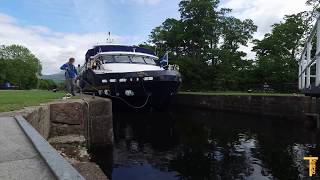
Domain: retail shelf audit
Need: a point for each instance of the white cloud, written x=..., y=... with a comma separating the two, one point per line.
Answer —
x=264, y=13
x=54, y=48
x=6, y=19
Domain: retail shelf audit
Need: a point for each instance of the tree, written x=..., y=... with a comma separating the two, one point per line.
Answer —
x=18, y=66
x=169, y=36
x=206, y=43
x=200, y=18
x=233, y=66
x=203, y=34
x=236, y=33
x=277, y=51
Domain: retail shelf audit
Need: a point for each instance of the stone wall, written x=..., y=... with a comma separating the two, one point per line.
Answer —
x=39, y=118
x=67, y=124
x=89, y=117
x=280, y=106
x=99, y=128
x=67, y=117
x=71, y=120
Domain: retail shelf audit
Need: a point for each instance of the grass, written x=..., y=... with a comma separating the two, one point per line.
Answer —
x=11, y=100
x=239, y=94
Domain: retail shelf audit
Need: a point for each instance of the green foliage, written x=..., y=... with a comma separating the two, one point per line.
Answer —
x=61, y=86
x=236, y=32
x=193, y=74
x=46, y=84
x=206, y=42
x=277, y=51
x=18, y=66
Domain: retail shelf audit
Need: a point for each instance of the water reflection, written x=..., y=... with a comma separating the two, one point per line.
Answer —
x=192, y=144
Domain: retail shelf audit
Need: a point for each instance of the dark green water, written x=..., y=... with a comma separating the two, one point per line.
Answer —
x=195, y=144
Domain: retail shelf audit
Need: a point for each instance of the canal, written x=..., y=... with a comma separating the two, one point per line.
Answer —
x=197, y=144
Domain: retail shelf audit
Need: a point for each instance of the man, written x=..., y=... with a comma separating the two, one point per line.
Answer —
x=70, y=74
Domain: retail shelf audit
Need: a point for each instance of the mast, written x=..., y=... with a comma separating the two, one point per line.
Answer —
x=109, y=40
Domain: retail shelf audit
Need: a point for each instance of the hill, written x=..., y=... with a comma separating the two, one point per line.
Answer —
x=55, y=77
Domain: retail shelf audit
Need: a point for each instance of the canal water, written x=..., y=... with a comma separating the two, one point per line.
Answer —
x=197, y=144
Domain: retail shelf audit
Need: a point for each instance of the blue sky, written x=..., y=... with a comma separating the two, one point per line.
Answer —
x=55, y=30
x=123, y=17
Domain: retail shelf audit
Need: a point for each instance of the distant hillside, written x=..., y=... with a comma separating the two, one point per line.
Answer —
x=55, y=77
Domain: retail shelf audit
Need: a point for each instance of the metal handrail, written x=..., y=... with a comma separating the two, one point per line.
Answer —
x=311, y=63
x=312, y=33
x=306, y=61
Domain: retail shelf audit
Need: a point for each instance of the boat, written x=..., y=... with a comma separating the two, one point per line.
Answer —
x=133, y=75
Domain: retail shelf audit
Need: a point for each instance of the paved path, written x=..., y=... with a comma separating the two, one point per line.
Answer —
x=18, y=157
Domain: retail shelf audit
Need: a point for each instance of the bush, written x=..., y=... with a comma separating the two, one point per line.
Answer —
x=46, y=84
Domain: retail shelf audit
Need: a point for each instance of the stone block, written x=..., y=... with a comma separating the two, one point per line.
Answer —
x=44, y=121
x=101, y=131
x=65, y=129
x=39, y=118
x=67, y=113
x=100, y=106
x=99, y=127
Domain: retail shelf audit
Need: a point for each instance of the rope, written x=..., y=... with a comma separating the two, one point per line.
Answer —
x=123, y=100
x=132, y=106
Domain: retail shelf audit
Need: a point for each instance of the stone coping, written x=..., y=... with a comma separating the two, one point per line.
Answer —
x=58, y=165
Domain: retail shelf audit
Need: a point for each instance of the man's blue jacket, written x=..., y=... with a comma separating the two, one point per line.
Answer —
x=71, y=71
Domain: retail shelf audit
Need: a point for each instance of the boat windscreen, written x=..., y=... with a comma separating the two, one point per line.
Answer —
x=149, y=61
x=106, y=59
x=122, y=59
x=137, y=59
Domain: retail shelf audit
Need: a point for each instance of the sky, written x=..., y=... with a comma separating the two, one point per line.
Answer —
x=55, y=30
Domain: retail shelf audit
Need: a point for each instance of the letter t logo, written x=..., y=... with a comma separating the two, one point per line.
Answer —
x=312, y=164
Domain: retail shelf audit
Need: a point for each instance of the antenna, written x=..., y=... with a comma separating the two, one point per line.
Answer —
x=109, y=39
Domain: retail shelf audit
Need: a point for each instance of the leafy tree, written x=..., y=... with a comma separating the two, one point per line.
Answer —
x=18, y=66
x=168, y=37
x=205, y=42
x=196, y=74
x=200, y=18
x=236, y=33
x=232, y=66
x=277, y=52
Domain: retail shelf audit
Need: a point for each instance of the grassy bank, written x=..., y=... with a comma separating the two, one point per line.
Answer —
x=240, y=94
x=13, y=100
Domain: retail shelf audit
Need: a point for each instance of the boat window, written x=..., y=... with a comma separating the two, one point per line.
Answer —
x=149, y=61
x=122, y=59
x=106, y=59
x=137, y=59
